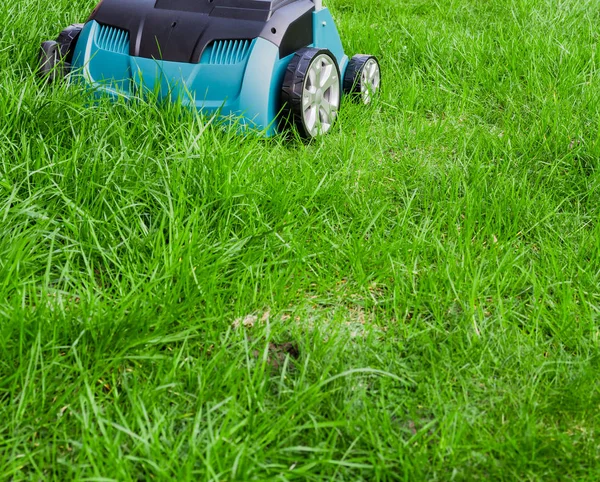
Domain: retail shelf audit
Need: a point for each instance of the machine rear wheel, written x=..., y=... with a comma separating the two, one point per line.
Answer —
x=67, y=41
x=363, y=77
x=56, y=57
x=50, y=66
x=311, y=92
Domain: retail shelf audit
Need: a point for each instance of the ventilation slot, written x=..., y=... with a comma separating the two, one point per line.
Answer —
x=226, y=52
x=112, y=39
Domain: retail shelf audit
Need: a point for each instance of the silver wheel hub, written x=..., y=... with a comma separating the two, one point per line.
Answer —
x=370, y=80
x=321, y=95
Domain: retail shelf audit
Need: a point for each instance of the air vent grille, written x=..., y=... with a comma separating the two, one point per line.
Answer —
x=226, y=52
x=112, y=39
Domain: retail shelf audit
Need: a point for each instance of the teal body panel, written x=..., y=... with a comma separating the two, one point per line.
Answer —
x=245, y=86
x=107, y=70
x=261, y=89
x=326, y=36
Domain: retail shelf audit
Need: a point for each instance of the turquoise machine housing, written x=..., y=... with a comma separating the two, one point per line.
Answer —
x=240, y=78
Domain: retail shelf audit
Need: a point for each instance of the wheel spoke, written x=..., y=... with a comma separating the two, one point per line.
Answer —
x=310, y=97
x=331, y=80
x=372, y=70
x=367, y=90
x=325, y=126
x=306, y=101
x=310, y=116
x=328, y=109
x=318, y=72
x=312, y=79
x=319, y=121
x=326, y=74
x=323, y=123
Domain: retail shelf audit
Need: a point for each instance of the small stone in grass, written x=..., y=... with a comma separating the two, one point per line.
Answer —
x=247, y=322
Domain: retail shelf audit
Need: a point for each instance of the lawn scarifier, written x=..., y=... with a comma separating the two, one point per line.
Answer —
x=243, y=59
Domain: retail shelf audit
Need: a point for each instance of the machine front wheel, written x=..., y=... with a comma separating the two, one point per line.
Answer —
x=363, y=77
x=311, y=92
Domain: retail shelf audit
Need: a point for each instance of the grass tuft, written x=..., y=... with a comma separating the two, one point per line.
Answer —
x=413, y=297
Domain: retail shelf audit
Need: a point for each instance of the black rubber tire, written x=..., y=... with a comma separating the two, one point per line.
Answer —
x=67, y=41
x=293, y=87
x=56, y=56
x=51, y=67
x=353, y=77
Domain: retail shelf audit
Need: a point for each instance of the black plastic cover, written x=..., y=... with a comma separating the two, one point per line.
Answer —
x=180, y=30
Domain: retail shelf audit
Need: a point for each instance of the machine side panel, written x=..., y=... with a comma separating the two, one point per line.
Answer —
x=326, y=36
x=261, y=89
x=249, y=90
x=108, y=70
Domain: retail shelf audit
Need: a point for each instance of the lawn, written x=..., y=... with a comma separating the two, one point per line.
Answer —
x=415, y=296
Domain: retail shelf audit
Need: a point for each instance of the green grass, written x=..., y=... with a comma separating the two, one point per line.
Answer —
x=425, y=280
